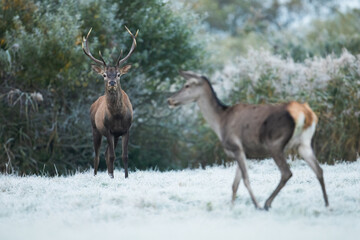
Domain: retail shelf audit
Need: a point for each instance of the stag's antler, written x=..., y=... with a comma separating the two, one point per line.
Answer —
x=85, y=47
x=121, y=61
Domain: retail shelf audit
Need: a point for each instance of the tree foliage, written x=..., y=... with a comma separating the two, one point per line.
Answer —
x=240, y=17
x=324, y=37
x=41, y=52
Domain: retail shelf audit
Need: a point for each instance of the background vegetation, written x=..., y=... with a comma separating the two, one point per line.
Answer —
x=253, y=51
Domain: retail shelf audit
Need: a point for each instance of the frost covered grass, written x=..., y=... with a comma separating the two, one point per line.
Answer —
x=188, y=204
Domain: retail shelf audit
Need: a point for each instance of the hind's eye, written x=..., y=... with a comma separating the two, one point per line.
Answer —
x=118, y=75
x=104, y=75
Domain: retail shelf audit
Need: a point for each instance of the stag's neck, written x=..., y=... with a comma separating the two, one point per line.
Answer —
x=114, y=101
x=212, y=109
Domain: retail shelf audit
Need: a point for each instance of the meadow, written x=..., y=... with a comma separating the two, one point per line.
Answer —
x=186, y=204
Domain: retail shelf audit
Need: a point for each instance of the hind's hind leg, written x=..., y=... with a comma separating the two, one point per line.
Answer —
x=307, y=153
x=286, y=174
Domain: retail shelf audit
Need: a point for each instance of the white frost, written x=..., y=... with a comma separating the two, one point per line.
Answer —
x=189, y=204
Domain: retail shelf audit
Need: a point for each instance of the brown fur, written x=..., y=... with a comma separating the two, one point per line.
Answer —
x=295, y=109
x=101, y=109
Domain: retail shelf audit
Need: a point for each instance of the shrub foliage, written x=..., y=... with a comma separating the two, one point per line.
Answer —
x=41, y=54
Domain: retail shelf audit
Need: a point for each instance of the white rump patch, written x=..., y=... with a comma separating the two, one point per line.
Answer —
x=300, y=135
x=308, y=133
x=299, y=125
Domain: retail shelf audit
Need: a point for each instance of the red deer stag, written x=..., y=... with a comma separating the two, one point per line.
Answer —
x=258, y=131
x=111, y=114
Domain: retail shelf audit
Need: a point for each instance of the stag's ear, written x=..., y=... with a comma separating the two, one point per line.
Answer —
x=125, y=69
x=97, y=69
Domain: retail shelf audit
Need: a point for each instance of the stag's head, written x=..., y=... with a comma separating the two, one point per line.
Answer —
x=192, y=90
x=111, y=74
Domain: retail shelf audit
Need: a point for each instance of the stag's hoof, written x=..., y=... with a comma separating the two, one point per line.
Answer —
x=111, y=175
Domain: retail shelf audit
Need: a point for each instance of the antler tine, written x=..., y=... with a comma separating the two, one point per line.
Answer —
x=120, y=56
x=85, y=47
x=120, y=61
x=102, y=59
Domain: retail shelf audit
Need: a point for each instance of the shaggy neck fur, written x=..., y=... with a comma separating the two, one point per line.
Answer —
x=114, y=101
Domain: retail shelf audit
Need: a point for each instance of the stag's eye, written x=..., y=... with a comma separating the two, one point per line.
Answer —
x=104, y=75
x=187, y=86
x=118, y=75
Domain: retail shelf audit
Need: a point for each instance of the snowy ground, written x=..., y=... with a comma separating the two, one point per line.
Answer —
x=189, y=204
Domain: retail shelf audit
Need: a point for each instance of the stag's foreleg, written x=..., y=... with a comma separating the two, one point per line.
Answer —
x=286, y=174
x=241, y=159
x=125, y=141
x=97, y=143
x=307, y=153
x=110, y=154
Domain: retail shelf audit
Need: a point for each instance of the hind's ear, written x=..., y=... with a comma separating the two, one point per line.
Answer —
x=188, y=74
x=183, y=74
x=125, y=69
x=97, y=69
